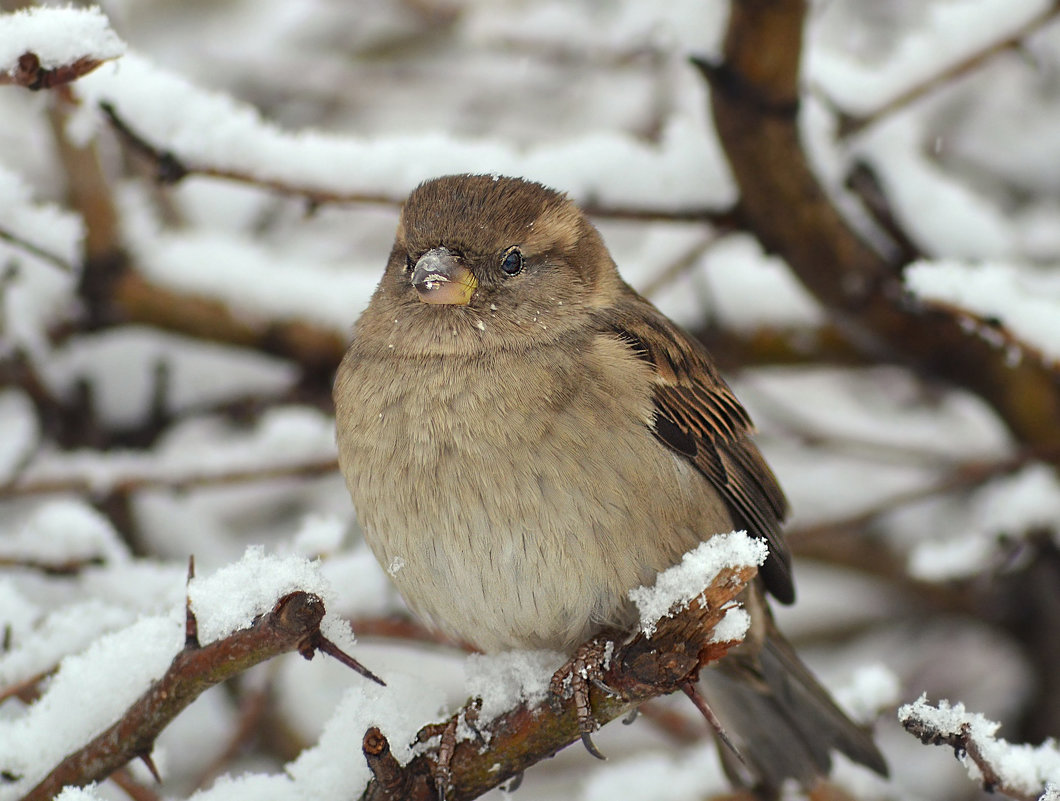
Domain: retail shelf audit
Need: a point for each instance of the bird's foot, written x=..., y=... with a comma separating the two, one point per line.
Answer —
x=586, y=666
x=447, y=734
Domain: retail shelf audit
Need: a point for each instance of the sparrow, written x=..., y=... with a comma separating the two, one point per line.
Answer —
x=525, y=439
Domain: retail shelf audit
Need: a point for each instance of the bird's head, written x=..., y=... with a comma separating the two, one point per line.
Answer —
x=482, y=262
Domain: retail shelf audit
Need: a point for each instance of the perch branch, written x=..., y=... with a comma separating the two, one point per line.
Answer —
x=641, y=669
x=292, y=625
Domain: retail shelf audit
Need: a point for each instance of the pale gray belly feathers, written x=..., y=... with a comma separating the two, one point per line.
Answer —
x=439, y=475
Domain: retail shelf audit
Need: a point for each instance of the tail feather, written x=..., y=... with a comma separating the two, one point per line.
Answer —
x=783, y=721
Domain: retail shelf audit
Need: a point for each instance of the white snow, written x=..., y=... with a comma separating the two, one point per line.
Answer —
x=232, y=597
x=57, y=36
x=1026, y=303
x=64, y=531
x=1004, y=509
x=1022, y=768
x=676, y=587
x=19, y=432
x=121, y=366
x=113, y=671
x=208, y=129
x=319, y=535
x=507, y=679
x=946, y=34
x=37, y=294
x=200, y=448
x=733, y=627
x=871, y=689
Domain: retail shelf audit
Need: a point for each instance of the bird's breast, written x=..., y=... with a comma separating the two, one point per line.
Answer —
x=523, y=497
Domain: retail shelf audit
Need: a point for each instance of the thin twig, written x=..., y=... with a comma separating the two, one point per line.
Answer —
x=852, y=125
x=30, y=74
x=36, y=250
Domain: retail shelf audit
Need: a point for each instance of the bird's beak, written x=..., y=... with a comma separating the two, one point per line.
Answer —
x=439, y=277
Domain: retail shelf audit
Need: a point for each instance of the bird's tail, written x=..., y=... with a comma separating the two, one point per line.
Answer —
x=784, y=724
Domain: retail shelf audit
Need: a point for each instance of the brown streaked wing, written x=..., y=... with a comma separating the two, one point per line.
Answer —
x=698, y=417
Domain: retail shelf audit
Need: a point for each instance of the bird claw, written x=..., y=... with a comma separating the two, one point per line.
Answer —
x=585, y=667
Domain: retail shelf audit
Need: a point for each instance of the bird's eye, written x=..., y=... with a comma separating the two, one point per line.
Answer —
x=512, y=263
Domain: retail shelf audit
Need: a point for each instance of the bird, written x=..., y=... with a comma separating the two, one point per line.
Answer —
x=525, y=439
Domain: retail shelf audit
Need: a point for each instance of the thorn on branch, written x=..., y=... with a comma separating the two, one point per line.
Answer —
x=318, y=642
x=149, y=763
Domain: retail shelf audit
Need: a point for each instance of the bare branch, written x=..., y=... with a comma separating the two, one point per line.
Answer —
x=36, y=250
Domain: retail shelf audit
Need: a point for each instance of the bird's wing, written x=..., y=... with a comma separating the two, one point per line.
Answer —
x=698, y=417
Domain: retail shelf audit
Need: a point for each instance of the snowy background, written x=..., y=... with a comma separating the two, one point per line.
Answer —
x=166, y=351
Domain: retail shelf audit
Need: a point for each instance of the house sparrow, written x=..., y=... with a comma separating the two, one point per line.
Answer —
x=525, y=439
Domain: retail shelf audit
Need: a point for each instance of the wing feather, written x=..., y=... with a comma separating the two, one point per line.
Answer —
x=698, y=417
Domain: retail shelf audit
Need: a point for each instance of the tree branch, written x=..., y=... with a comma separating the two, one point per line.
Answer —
x=292, y=625
x=755, y=101
x=643, y=668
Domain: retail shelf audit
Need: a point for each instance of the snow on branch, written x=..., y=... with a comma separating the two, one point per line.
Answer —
x=41, y=48
x=1022, y=772
x=244, y=614
x=42, y=230
x=692, y=629
x=1007, y=307
x=186, y=129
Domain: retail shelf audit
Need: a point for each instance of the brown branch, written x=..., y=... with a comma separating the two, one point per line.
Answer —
x=27, y=690
x=968, y=748
x=643, y=668
x=755, y=101
x=292, y=625
x=30, y=74
x=851, y=125
x=132, y=788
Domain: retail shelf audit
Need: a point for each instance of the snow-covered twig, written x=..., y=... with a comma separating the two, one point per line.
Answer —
x=1022, y=772
x=853, y=125
x=172, y=166
x=41, y=48
x=94, y=482
x=292, y=625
